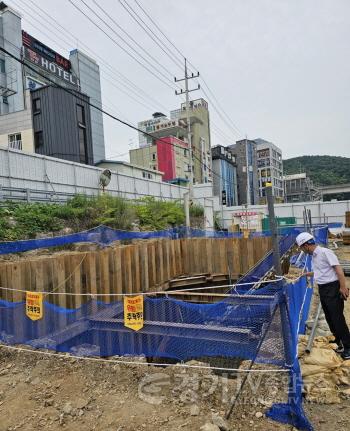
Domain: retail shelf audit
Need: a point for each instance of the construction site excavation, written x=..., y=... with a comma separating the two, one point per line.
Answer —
x=192, y=329
x=173, y=257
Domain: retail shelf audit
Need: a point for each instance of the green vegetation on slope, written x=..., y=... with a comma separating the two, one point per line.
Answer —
x=22, y=220
x=323, y=170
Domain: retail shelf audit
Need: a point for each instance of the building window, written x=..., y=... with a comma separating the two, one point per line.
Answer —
x=36, y=106
x=2, y=65
x=83, y=153
x=5, y=100
x=38, y=139
x=153, y=156
x=15, y=141
x=82, y=146
x=81, y=115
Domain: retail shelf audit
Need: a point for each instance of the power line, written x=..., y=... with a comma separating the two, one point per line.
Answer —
x=233, y=124
x=153, y=36
x=127, y=34
x=121, y=47
x=77, y=95
x=138, y=22
x=127, y=82
x=158, y=28
x=110, y=106
x=224, y=116
x=219, y=133
x=220, y=115
x=104, y=69
x=131, y=85
x=105, y=112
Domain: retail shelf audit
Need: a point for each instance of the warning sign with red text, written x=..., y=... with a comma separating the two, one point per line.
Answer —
x=133, y=312
x=34, y=305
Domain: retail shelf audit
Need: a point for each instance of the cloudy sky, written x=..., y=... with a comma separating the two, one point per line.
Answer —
x=275, y=69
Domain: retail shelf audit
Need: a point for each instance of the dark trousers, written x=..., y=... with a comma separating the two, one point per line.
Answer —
x=333, y=307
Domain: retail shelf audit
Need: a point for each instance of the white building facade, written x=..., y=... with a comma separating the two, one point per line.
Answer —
x=270, y=169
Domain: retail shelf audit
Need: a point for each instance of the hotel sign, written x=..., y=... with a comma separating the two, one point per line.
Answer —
x=40, y=55
x=51, y=67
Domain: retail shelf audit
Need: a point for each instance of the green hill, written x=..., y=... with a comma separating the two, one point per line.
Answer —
x=323, y=170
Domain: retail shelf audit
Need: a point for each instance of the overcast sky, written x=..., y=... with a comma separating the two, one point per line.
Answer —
x=280, y=69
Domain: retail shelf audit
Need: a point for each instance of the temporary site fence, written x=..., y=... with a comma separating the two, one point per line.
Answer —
x=259, y=325
x=35, y=177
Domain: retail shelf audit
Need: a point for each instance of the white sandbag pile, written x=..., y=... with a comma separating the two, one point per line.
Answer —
x=326, y=376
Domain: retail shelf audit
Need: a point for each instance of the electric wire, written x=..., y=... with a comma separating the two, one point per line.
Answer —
x=123, y=49
x=143, y=25
x=110, y=106
x=158, y=28
x=104, y=71
x=127, y=82
x=128, y=35
x=76, y=95
x=227, y=120
x=117, y=87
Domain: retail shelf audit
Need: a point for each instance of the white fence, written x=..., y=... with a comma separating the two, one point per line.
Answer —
x=26, y=176
x=321, y=212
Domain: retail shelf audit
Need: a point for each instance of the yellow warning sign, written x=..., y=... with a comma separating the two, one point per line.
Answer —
x=133, y=312
x=34, y=305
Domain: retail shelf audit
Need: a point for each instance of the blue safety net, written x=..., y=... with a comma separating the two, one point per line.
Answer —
x=260, y=325
x=295, y=314
x=104, y=236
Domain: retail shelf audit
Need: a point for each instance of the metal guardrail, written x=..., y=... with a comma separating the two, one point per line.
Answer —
x=30, y=195
x=50, y=196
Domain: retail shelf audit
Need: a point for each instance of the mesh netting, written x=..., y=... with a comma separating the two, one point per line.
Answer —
x=104, y=235
x=260, y=326
x=172, y=329
x=257, y=327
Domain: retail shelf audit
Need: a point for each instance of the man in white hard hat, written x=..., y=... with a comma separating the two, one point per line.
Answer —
x=329, y=276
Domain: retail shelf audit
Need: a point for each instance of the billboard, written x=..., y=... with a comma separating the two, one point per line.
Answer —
x=50, y=61
x=45, y=51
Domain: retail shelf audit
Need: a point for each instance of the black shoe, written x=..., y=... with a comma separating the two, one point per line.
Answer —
x=340, y=348
x=346, y=354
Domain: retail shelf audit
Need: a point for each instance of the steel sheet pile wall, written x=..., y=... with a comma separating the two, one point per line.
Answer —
x=142, y=266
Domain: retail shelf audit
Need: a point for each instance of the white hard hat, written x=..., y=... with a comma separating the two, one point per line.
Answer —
x=303, y=237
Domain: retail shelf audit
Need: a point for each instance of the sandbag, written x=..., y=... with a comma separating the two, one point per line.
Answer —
x=323, y=357
x=311, y=369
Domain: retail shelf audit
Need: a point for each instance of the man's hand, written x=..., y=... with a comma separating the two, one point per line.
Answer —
x=344, y=291
x=306, y=274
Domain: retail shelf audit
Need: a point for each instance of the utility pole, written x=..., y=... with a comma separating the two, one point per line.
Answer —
x=189, y=138
x=247, y=167
x=273, y=228
x=248, y=185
